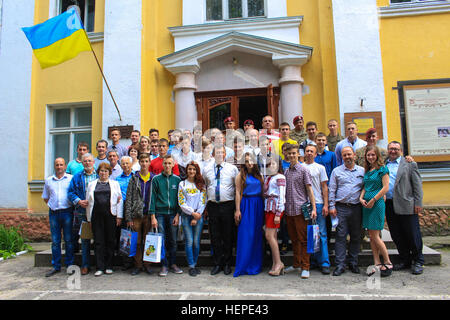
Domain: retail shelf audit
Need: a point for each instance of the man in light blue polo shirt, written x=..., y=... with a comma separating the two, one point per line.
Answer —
x=346, y=183
x=60, y=214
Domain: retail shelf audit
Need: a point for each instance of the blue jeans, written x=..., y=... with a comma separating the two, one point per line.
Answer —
x=170, y=237
x=192, y=235
x=61, y=220
x=321, y=258
x=85, y=243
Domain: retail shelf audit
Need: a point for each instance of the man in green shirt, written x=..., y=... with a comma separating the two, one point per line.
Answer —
x=333, y=137
x=165, y=211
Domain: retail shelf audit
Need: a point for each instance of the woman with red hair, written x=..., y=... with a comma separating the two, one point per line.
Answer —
x=192, y=201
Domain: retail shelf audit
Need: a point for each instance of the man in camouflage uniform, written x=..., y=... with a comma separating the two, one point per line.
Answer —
x=333, y=137
x=298, y=134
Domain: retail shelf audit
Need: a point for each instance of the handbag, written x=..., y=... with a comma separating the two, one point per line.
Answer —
x=154, y=247
x=306, y=210
x=86, y=230
x=128, y=242
x=313, y=238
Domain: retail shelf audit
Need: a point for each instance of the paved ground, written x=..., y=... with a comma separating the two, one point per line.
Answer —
x=20, y=280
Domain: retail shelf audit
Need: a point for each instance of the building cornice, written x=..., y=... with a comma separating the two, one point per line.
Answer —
x=414, y=9
x=238, y=25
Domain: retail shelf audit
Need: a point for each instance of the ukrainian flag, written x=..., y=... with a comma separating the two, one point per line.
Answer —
x=58, y=39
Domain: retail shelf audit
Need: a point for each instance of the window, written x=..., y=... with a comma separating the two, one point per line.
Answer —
x=67, y=127
x=414, y=1
x=87, y=11
x=234, y=9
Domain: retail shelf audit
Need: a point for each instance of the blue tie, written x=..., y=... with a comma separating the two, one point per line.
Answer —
x=219, y=167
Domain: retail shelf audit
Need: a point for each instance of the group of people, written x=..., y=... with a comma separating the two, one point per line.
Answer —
x=248, y=185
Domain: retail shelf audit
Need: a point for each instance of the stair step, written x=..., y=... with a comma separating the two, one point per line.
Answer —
x=365, y=258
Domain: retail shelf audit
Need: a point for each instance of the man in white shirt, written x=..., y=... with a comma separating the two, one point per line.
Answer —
x=253, y=139
x=352, y=141
x=220, y=185
x=319, y=181
x=60, y=214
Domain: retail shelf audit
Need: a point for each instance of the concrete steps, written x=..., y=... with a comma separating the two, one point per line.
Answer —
x=432, y=257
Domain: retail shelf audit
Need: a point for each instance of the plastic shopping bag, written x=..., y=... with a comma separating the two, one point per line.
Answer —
x=313, y=234
x=128, y=242
x=154, y=247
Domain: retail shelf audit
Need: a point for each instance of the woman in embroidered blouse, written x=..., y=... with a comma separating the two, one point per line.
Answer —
x=274, y=199
x=192, y=201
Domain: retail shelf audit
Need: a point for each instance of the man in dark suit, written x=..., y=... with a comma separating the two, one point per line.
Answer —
x=403, y=204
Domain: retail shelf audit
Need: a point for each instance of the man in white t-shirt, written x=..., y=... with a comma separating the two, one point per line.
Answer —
x=319, y=181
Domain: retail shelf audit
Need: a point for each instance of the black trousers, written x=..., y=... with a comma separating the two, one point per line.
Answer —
x=104, y=231
x=405, y=232
x=221, y=228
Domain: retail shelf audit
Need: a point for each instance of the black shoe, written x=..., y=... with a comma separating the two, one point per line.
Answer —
x=354, y=268
x=148, y=270
x=192, y=272
x=417, y=269
x=126, y=266
x=325, y=270
x=227, y=270
x=401, y=266
x=338, y=271
x=216, y=270
x=135, y=271
x=52, y=272
x=387, y=271
x=198, y=270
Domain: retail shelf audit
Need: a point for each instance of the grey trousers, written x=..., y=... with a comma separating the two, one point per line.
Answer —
x=349, y=223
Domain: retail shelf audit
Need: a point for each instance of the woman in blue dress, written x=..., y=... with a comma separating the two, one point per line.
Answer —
x=376, y=185
x=249, y=217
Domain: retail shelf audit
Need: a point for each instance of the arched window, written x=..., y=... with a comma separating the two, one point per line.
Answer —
x=234, y=9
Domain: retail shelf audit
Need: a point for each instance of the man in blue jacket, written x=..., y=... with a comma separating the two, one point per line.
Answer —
x=77, y=196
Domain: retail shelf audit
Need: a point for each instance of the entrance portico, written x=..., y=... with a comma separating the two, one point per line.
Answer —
x=287, y=57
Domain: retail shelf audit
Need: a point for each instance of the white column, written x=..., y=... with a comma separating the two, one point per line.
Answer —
x=15, y=92
x=291, y=85
x=185, y=108
x=122, y=64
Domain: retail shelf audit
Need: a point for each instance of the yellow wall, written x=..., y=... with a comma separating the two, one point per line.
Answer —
x=319, y=73
x=74, y=81
x=414, y=48
x=158, y=110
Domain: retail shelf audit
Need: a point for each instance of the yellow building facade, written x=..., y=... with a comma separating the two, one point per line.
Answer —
x=164, y=60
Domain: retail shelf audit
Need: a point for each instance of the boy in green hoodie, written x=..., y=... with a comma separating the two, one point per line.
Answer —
x=165, y=211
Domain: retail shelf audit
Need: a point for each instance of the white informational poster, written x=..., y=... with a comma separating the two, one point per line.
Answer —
x=427, y=111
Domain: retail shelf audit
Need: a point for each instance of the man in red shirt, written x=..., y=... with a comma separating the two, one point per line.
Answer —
x=156, y=166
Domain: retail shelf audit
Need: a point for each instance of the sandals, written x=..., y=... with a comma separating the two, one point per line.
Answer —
x=388, y=271
x=383, y=272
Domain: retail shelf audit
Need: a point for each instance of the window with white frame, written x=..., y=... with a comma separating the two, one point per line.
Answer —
x=87, y=11
x=68, y=125
x=234, y=9
x=416, y=1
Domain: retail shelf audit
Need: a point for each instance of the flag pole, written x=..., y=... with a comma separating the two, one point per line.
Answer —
x=103, y=75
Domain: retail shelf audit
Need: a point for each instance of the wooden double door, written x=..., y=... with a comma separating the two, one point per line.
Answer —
x=213, y=107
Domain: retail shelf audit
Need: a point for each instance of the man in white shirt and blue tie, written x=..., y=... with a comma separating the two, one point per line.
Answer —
x=220, y=182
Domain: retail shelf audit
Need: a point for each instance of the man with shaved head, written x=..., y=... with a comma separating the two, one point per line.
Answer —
x=60, y=214
x=344, y=189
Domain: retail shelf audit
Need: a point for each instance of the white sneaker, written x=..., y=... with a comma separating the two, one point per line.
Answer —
x=305, y=274
x=98, y=273
x=291, y=269
x=109, y=271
